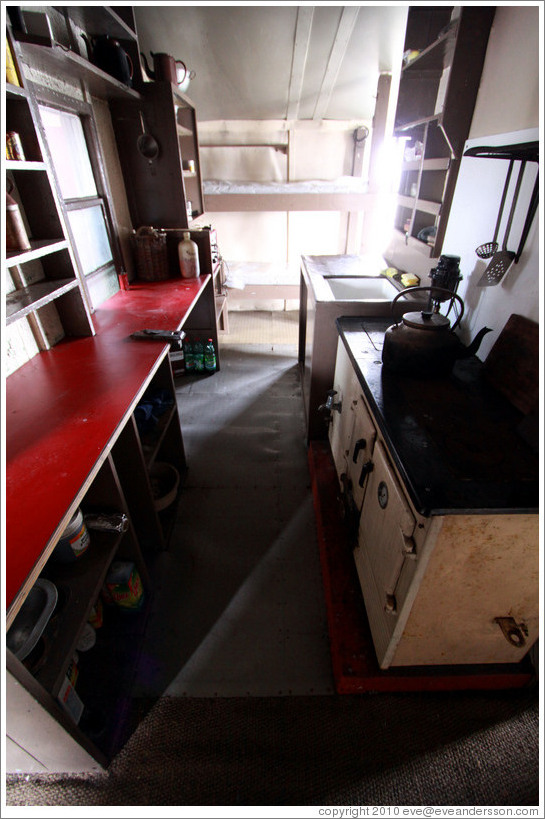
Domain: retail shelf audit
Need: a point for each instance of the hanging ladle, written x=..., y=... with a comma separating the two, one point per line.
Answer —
x=503, y=259
x=487, y=250
x=146, y=143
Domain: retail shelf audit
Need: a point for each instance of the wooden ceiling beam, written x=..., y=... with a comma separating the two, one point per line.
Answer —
x=338, y=50
x=299, y=60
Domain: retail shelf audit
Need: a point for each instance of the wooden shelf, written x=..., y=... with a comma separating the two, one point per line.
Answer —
x=83, y=581
x=435, y=164
x=415, y=244
x=435, y=108
x=436, y=56
x=424, y=205
x=221, y=303
x=69, y=65
x=38, y=249
x=98, y=19
x=185, y=132
x=15, y=91
x=407, y=126
x=25, y=165
x=151, y=442
x=20, y=303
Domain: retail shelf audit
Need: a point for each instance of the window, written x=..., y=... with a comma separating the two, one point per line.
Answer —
x=85, y=207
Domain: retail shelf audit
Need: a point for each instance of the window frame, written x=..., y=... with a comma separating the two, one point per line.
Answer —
x=84, y=111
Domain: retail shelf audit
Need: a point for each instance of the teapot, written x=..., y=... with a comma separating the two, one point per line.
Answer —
x=423, y=344
x=164, y=67
x=108, y=54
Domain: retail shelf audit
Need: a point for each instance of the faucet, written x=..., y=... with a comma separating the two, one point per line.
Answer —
x=330, y=405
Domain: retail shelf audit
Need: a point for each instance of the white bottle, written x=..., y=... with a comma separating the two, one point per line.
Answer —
x=188, y=254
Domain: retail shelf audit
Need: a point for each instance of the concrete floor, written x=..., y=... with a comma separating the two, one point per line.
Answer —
x=238, y=606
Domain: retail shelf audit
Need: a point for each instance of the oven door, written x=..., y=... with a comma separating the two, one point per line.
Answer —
x=386, y=551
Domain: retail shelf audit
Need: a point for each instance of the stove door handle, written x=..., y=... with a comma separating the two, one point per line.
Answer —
x=360, y=444
x=366, y=468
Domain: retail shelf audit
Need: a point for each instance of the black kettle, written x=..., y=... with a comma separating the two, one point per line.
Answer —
x=109, y=55
x=422, y=344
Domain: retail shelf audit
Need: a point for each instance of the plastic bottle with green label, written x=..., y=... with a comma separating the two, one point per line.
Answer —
x=189, y=359
x=210, y=357
x=198, y=356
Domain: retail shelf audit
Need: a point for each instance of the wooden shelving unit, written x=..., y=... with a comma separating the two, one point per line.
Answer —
x=42, y=279
x=46, y=275
x=437, y=95
x=160, y=192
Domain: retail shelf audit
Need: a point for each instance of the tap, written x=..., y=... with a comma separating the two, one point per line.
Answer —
x=330, y=405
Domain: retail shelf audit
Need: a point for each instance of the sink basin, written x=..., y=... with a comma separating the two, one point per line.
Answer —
x=361, y=288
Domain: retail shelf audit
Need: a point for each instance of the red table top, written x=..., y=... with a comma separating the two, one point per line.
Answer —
x=64, y=407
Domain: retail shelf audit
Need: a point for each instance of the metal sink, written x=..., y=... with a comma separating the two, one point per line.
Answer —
x=361, y=288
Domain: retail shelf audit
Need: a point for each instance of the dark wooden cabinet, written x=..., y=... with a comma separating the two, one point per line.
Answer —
x=445, y=49
x=163, y=190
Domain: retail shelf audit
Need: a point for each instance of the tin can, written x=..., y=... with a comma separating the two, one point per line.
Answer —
x=14, y=146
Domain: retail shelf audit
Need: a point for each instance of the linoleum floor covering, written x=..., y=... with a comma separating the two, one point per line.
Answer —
x=238, y=605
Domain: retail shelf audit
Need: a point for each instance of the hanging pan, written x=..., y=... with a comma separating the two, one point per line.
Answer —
x=487, y=250
x=146, y=143
x=502, y=260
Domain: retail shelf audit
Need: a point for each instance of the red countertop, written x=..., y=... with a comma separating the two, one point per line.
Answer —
x=65, y=406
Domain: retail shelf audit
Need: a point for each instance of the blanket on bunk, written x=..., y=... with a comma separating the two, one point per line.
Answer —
x=262, y=285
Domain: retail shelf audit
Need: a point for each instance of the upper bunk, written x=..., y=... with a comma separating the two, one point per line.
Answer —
x=346, y=194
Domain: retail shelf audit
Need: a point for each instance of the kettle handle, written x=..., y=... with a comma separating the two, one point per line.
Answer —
x=147, y=69
x=432, y=290
x=181, y=62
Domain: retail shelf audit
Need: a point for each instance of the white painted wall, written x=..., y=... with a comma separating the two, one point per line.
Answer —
x=507, y=110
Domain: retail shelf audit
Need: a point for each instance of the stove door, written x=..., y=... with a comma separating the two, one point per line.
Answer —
x=386, y=550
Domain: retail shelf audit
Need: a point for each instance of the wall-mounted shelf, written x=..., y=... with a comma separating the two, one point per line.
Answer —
x=98, y=20
x=69, y=65
x=45, y=275
x=20, y=303
x=437, y=95
x=159, y=191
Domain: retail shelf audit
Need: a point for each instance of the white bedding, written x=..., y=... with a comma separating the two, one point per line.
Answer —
x=344, y=184
x=240, y=274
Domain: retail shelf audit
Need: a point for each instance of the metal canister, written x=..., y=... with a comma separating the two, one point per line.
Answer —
x=14, y=146
x=16, y=235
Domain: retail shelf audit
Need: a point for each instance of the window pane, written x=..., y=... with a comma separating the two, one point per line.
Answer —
x=90, y=237
x=66, y=140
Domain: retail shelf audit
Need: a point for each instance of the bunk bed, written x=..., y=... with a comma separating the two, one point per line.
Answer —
x=251, y=282
x=251, y=285
x=347, y=193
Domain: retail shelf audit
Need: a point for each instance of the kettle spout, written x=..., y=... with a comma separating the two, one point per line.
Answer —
x=472, y=348
x=149, y=72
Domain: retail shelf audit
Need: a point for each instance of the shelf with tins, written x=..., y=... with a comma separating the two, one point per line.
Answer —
x=43, y=284
x=445, y=49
